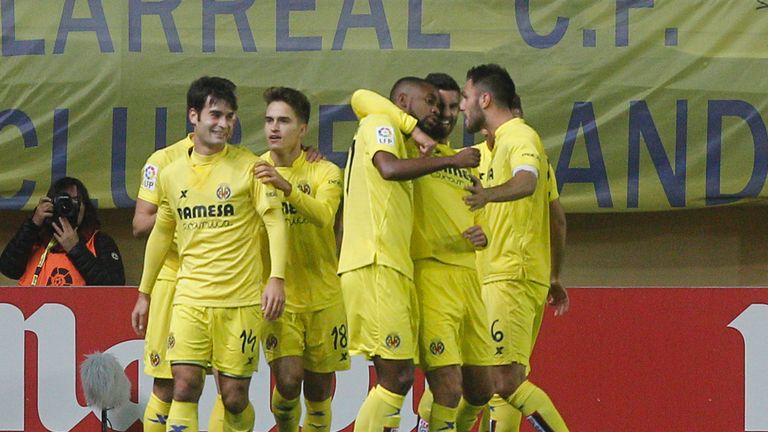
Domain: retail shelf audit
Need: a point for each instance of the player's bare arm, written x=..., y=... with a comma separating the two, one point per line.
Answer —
x=392, y=168
x=143, y=218
x=140, y=314
x=558, y=296
x=521, y=185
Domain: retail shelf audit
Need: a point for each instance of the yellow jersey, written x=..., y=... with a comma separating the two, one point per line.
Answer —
x=441, y=215
x=149, y=193
x=216, y=207
x=518, y=246
x=310, y=213
x=378, y=213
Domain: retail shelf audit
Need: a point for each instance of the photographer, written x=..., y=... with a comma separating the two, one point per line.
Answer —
x=61, y=245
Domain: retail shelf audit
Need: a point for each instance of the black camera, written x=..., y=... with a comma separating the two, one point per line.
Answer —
x=66, y=207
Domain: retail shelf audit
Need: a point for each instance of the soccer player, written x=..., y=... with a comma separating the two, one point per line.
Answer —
x=215, y=208
x=503, y=416
x=308, y=343
x=157, y=313
x=375, y=265
x=454, y=345
x=516, y=264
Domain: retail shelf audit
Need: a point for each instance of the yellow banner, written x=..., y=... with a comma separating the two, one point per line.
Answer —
x=642, y=104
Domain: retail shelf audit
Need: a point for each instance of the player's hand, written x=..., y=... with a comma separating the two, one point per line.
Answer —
x=140, y=314
x=467, y=158
x=558, y=297
x=424, y=142
x=313, y=155
x=479, y=196
x=43, y=210
x=65, y=234
x=267, y=174
x=273, y=299
x=476, y=236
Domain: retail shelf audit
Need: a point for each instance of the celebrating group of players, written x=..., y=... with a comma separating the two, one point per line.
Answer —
x=442, y=264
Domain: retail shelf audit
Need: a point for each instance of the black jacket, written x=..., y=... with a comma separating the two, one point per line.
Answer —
x=106, y=268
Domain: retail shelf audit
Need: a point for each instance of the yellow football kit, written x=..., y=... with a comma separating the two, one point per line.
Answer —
x=452, y=316
x=314, y=324
x=453, y=324
x=159, y=319
x=516, y=264
x=215, y=207
x=378, y=221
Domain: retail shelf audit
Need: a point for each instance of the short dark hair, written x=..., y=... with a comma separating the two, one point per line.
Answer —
x=495, y=80
x=294, y=98
x=403, y=82
x=443, y=81
x=216, y=87
x=90, y=221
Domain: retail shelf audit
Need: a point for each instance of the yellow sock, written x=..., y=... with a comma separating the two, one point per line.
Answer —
x=466, y=415
x=287, y=412
x=443, y=418
x=318, y=416
x=536, y=406
x=156, y=414
x=242, y=422
x=216, y=420
x=504, y=417
x=425, y=404
x=380, y=411
x=183, y=416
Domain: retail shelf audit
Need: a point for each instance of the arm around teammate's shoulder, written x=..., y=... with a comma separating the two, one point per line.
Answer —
x=392, y=168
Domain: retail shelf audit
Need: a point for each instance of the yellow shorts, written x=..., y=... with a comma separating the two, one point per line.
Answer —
x=225, y=338
x=453, y=329
x=320, y=337
x=515, y=310
x=156, y=338
x=382, y=312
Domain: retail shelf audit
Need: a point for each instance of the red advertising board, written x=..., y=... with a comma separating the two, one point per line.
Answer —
x=629, y=359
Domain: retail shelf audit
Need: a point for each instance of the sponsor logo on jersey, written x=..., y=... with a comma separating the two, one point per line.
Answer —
x=455, y=176
x=392, y=340
x=149, y=180
x=223, y=192
x=203, y=211
x=385, y=135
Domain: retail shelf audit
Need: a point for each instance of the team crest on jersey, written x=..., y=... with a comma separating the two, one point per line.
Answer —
x=223, y=193
x=171, y=341
x=385, y=135
x=392, y=340
x=271, y=342
x=154, y=359
x=436, y=347
x=304, y=187
x=149, y=181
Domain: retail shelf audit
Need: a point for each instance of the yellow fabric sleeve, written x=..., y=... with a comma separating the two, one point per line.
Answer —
x=277, y=231
x=365, y=102
x=552, y=184
x=158, y=244
x=320, y=210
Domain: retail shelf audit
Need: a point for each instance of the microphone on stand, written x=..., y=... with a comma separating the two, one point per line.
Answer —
x=104, y=384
